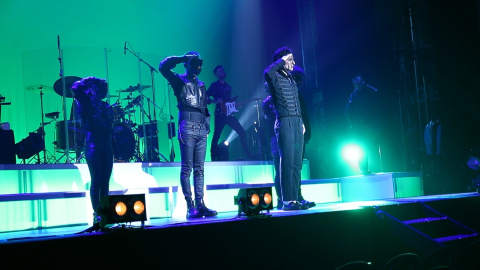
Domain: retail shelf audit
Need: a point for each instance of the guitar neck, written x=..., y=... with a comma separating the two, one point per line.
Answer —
x=245, y=101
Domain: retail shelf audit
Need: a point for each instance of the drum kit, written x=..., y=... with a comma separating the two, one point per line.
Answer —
x=126, y=133
x=125, y=130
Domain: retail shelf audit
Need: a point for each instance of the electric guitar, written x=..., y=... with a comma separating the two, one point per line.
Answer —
x=228, y=108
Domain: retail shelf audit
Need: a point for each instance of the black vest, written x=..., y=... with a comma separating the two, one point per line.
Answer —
x=192, y=95
x=285, y=96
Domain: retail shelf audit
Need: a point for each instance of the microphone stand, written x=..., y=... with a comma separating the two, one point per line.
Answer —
x=64, y=102
x=142, y=118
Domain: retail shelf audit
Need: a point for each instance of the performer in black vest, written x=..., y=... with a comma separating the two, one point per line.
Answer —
x=289, y=127
x=270, y=118
x=193, y=127
x=97, y=121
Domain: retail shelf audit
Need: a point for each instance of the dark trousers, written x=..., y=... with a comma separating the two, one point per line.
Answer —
x=220, y=122
x=276, y=165
x=289, y=132
x=192, y=137
x=99, y=159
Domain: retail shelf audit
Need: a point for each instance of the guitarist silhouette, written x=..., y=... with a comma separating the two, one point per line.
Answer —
x=221, y=92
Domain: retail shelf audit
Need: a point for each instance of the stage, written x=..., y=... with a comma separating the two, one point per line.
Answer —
x=35, y=196
x=324, y=237
x=369, y=218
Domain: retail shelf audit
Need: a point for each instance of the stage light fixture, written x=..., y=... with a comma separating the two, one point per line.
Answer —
x=252, y=201
x=123, y=208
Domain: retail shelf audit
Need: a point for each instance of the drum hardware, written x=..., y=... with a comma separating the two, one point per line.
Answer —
x=39, y=87
x=156, y=154
x=151, y=137
x=63, y=87
x=133, y=103
x=118, y=113
x=134, y=88
x=30, y=146
x=76, y=135
x=76, y=139
x=69, y=81
x=52, y=115
x=41, y=130
x=148, y=154
x=151, y=131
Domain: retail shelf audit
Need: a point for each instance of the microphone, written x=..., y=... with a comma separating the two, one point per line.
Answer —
x=371, y=87
x=125, y=48
x=58, y=41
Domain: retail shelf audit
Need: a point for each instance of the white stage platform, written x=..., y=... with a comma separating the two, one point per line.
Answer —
x=36, y=196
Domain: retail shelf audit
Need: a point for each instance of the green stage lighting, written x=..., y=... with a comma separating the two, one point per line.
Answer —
x=251, y=201
x=123, y=208
x=352, y=153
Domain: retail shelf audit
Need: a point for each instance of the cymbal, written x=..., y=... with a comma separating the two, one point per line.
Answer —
x=127, y=98
x=69, y=81
x=134, y=88
x=39, y=87
x=113, y=95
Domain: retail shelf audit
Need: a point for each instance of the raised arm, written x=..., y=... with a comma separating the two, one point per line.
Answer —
x=270, y=71
x=170, y=63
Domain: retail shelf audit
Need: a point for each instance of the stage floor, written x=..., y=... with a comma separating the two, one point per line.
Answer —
x=159, y=223
x=326, y=236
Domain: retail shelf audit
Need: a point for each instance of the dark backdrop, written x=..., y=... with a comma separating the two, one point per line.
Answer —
x=374, y=38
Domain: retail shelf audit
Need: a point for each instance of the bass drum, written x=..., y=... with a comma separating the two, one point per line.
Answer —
x=123, y=143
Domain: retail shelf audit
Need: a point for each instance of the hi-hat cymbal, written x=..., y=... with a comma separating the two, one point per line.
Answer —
x=69, y=81
x=39, y=87
x=134, y=88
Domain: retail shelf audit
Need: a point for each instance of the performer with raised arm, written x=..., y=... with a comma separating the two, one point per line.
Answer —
x=193, y=127
x=289, y=127
x=97, y=120
x=221, y=92
x=270, y=118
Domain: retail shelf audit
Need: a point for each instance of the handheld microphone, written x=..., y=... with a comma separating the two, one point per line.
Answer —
x=371, y=87
x=125, y=48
